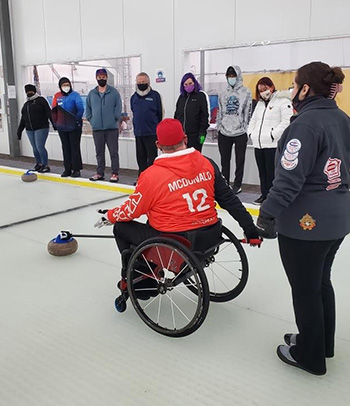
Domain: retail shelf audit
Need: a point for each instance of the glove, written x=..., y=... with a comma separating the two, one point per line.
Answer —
x=252, y=237
x=19, y=135
x=103, y=221
x=266, y=226
x=201, y=138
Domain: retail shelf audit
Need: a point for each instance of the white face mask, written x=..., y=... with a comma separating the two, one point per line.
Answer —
x=65, y=89
x=266, y=94
x=232, y=81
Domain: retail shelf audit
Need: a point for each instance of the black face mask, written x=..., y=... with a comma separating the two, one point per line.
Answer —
x=142, y=86
x=296, y=101
x=102, y=82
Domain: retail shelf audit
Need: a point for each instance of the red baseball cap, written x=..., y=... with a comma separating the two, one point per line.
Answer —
x=170, y=132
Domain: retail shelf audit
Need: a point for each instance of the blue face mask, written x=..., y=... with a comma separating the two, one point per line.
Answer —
x=232, y=81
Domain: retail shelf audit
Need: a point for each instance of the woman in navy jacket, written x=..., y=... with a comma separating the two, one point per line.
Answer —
x=67, y=113
x=309, y=202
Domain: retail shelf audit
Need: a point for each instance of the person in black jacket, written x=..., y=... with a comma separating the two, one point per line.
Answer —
x=192, y=110
x=146, y=106
x=36, y=114
x=308, y=205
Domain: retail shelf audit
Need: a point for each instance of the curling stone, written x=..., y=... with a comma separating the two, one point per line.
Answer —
x=64, y=244
x=29, y=176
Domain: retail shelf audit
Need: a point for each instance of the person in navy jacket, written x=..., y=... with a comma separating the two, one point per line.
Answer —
x=308, y=206
x=146, y=105
x=67, y=113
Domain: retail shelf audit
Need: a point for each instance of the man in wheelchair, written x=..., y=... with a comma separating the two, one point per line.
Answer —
x=178, y=193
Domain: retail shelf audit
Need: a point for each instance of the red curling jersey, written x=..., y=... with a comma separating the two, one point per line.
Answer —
x=176, y=193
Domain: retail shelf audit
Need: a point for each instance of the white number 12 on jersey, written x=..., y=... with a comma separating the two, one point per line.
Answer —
x=196, y=195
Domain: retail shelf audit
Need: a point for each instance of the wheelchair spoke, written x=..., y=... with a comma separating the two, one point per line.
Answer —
x=218, y=277
x=159, y=303
x=160, y=258
x=187, y=297
x=180, y=272
x=227, y=270
x=149, y=266
x=144, y=308
x=177, y=307
x=147, y=274
x=172, y=310
x=171, y=257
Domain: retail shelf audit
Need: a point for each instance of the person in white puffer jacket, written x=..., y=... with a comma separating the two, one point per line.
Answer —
x=270, y=118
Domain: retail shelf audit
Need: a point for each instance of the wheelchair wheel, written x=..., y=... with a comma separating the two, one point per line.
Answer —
x=226, y=269
x=158, y=275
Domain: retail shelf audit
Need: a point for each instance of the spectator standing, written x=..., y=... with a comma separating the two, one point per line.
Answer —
x=103, y=111
x=192, y=110
x=270, y=118
x=146, y=106
x=233, y=118
x=67, y=113
x=309, y=202
x=35, y=116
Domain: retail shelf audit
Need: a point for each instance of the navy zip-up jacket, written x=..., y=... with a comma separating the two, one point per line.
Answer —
x=103, y=112
x=310, y=197
x=147, y=111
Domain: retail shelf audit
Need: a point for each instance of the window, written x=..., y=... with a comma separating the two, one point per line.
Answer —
x=121, y=75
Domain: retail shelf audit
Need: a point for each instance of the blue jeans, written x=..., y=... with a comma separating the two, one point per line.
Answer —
x=37, y=139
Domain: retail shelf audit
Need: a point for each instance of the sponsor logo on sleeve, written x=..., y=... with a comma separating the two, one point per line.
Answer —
x=332, y=171
x=289, y=160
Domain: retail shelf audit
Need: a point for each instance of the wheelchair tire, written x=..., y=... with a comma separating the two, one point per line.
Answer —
x=167, y=306
x=226, y=282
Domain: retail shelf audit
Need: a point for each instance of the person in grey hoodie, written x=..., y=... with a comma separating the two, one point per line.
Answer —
x=103, y=111
x=233, y=117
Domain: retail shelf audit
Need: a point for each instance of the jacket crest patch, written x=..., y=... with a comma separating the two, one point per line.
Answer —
x=307, y=222
x=332, y=171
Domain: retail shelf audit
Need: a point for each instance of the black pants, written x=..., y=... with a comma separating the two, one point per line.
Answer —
x=193, y=141
x=71, y=149
x=225, y=148
x=308, y=267
x=132, y=233
x=265, y=159
x=146, y=151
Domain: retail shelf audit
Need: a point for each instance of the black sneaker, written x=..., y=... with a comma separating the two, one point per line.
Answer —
x=259, y=200
x=76, y=174
x=37, y=168
x=65, y=174
x=44, y=169
x=236, y=189
x=283, y=353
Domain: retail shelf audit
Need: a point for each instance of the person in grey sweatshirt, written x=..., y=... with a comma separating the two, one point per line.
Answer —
x=103, y=111
x=232, y=122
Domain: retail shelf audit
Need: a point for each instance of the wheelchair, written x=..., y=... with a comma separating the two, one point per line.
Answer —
x=171, y=279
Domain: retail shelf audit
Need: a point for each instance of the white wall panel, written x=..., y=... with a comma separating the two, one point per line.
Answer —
x=346, y=51
x=149, y=32
x=28, y=30
x=330, y=18
x=102, y=29
x=201, y=23
x=271, y=20
x=62, y=27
